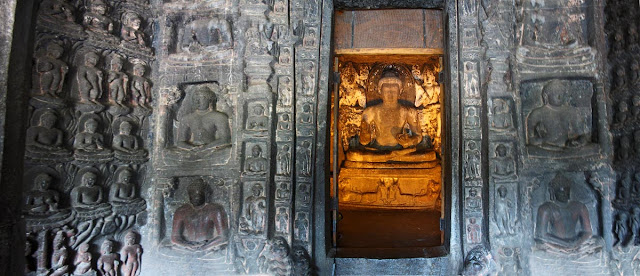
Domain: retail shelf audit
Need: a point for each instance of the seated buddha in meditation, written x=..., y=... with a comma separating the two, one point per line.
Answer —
x=389, y=131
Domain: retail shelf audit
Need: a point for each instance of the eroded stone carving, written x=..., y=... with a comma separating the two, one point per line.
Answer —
x=130, y=31
x=109, y=262
x=140, y=86
x=96, y=20
x=51, y=71
x=89, y=79
x=118, y=81
x=505, y=215
x=41, y=199
x=131, y=254
x=201, y=126
x=205, y=34
x=59, y=256
x=503, y=164
x=283, y=166
x=472, y=161
x=59, y=10
x=275, y=258
x=83, y=261
x=199, y=225
x=44, y=141
x=257, y=120
x=125, y=144
x=254, y=212
x=256, y=164
x=89, y=144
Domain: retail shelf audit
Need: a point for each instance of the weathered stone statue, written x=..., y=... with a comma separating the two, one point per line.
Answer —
x=109, y=262
x=387, y=137
x=44, y=139
x=206, y=34
x=118, y=81
x=41, y=199
x=52, y=70
x=90, y=79
x=59, y=256
x=503, y=165
x=83, y=261
x=556, y=125
x=131, y=255
x=256, y=164
x=504, y=218
x=140, y=86
x=283, y=161
x=123, y=191
x=562, y=224
x=621, y=228
x=502, y=118
x=198, y=225
x=96, y=19
x=255, y=212
x=126, y=145
x=257, y=120
x=275, y=258
x=130, y=31
x=88, y=143
x=205, y=127
x=88, y=195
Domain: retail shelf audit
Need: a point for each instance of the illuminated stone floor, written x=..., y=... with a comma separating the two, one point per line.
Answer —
x=375, y=228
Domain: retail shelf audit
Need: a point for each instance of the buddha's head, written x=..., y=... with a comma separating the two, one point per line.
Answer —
x=107, y=247
x=473, y=192
x=256, y=151
x=116, y=64
x=89, y=179
x=554, y=93
x=501, y=150
x=390, y=87
x=502, y=191
x=132, y=20
x=258, y=110
x=91, y=59
x=560, y=189
x=130, y=238
x=42, y=182
x=125, y=176
x=54, y=50
x=125, y=128
x=91, y=125
x=204, y=98
x=48, y=119
x=139, y=69
x=197, y=192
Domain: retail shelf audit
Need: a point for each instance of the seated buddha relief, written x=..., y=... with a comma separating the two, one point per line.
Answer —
x=390, y=130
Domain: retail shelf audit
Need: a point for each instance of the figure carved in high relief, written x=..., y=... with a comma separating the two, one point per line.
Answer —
x=257, y=120
x=471, y=80
x=118, y=81
x=255, y=212
x=563, y=224
x=96, y=20
x=90, y=79
x=83, y=261
x=206, y=34
x=89, y=143
x=59, y=256
x=52, y=70
x=127, y=144
x=473, y=202
x=123, y=191
x=44, y=138
x=59, y=10
x=88, y=194
x=555, y=23
x=283, y=192
x=282, y=220
x=198, y=225
x=256, y=163
x=302, y=227
x=620, y=228
x=502, y=118
x=473, y=231
x=305, y=161
x=503, y=165
x=41, y=199
x=504, y=207
x=283, y=159
x=87, y=199
x=275, y=258
x=472, y=161
x=389, y=138
x=130, y=31
x=205, y=127
x=109, y=262
x=556, y=125
x=622, y=114
x=140, y=86
x=131, y=254
x=472, y=120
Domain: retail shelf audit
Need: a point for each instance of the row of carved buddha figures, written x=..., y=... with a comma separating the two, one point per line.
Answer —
x=87, y=195
x=91, y=81
x=109, y=263
x=45, y=141
x=96, y=20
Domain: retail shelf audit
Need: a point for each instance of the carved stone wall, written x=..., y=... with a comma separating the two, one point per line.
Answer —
x=191, y=137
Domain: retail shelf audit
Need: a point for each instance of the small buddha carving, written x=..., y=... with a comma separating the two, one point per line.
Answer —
x=52, y=71
x=389, y=130
x=130, y=31
x=89, y=79
x=504, y=165
x=556, y=125
x=118, y=81
x=131, y=255
x=206, y=34
x=88, y=194
x=257, y=120
x=204, y=128
x=96, y=19
x=254, y=212
x=502, y=118
x=198, y=225
x=125, y=143
x=256, y=164
x=41, y=199
x=88, y=140
x=59, y=256
x=44, y=138
x=562, y=224
x=109, y=262
x=83, y=261
x=123, y=191
x=140, y=86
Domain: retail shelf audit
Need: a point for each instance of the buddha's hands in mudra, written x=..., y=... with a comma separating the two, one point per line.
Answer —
x=406, y=140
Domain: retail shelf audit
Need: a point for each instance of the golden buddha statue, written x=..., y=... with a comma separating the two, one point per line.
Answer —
x=390, y=131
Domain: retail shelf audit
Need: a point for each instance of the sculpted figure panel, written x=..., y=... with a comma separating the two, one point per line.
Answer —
x=131, y=255
x=41, y=199
x=96, y=20
x=44, y=140
x=205, y=34
x=118, y=81
x=199, y=225
x=254, y=212
x=201, y=126
x=130, y=31
x=89, y=79
x=51, y=70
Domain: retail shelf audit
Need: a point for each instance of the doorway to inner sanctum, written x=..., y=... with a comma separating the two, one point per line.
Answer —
x=387, y=122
